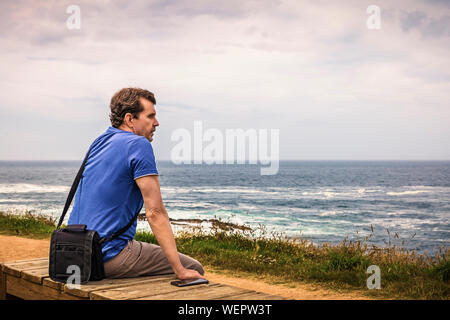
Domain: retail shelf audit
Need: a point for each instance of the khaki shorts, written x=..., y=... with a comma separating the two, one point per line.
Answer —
x=144, y=259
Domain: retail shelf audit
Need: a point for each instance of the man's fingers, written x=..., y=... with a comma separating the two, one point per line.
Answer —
x=203, y=277
x=191, y=274
x=198, y=275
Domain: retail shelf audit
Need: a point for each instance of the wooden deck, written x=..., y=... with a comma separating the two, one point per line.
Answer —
x=28, y=279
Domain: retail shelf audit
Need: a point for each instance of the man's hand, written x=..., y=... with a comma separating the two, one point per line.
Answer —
x=188, y=274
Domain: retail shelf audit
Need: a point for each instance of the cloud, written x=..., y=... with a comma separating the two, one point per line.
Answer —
x=439, y=27
x=232, y=63
x=232, y=9
x=412, y=20
x=427, y=26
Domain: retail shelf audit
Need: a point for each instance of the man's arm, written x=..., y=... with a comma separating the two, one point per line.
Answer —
x=159, y=223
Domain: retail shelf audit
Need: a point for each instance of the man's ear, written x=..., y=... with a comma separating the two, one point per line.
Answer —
x=127, y=119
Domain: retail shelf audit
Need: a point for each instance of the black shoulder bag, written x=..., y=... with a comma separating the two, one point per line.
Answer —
x=76, y=247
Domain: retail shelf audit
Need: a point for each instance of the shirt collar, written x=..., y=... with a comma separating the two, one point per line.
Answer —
x=116, y=130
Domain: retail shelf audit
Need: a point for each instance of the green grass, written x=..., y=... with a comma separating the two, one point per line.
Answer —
x=27, y=224
x=404, y=274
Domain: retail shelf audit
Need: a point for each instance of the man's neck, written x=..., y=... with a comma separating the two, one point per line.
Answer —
x=125, y=128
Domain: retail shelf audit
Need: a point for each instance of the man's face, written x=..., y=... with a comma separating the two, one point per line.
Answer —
x=145, y=125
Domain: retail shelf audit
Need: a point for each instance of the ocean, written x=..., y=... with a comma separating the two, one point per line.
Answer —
x=323, y=201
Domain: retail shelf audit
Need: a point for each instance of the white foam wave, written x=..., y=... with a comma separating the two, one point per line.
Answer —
x=247, y=207
x=28, y=188
x=20, y=209
x=231, y=190
x=17, y=200
x=328, y=213
x=337, y=192
x=327, y=193
x=200, y=204
x=207, y=189
x=401, y=193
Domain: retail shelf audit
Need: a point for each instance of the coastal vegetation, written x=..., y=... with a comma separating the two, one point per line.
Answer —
x=404, y=274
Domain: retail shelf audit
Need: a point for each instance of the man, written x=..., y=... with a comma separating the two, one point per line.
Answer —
x=120, y=176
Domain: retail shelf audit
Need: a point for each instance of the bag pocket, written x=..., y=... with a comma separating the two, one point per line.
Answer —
x=67, y=255
x=97, y=267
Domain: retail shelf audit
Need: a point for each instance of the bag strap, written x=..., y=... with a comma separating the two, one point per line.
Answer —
x=73, y=189
x=118, y=233
x=69, y=199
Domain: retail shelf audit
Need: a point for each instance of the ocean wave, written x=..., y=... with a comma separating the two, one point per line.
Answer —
x=402, y=193
x=31, y=188
x=190, y=205
x=208, y=189
x=328, y=193
x=18, y=201
x=328, y=213
x=335, y=193
x=21, y=209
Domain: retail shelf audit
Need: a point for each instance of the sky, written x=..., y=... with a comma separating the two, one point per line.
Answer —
x=334, y=87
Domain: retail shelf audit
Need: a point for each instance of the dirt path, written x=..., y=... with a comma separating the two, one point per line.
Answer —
x=17, y=248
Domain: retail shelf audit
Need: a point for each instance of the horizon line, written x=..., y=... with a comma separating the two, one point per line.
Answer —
x=246, y=161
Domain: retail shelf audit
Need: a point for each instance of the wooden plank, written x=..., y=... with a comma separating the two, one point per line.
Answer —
x=35, y=275
x=2, y=285
x=144, y=290
x=28, y=279
x=53, y=284
x=15, y=269
x=200, y=293
x=24, y=289
x=25, y=261
x=254, y=296
x=86, y=289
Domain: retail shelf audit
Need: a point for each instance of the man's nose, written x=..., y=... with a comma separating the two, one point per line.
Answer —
x=156, y=123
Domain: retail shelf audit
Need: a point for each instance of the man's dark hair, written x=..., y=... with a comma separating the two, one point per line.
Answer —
x=126, y=101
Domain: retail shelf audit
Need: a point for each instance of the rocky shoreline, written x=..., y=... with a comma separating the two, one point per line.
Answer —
x=215, y=223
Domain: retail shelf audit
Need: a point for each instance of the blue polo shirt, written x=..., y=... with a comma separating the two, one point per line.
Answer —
x=108, y=197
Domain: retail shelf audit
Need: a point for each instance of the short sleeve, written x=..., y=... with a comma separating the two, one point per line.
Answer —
x=141, y=159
